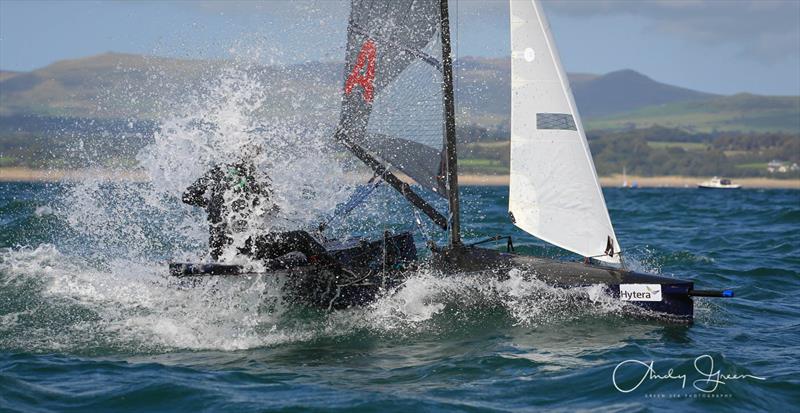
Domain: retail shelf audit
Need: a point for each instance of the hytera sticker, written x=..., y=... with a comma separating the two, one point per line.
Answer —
x=640, y=292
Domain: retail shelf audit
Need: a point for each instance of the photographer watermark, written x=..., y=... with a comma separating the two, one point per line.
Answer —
x=705, y=379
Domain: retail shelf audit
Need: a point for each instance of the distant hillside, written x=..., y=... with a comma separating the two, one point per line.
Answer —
x=41, y=141
x=483, y=88
x=6, y=74
x=743, y=112
x=126, y=86
x=89, y=87
x=123, y=86
x=627, y=90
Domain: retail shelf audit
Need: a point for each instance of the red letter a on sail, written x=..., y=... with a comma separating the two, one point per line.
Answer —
x=366, y=57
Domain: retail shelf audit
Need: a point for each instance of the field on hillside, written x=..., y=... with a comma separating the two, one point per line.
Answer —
x=686, y=146
x=661, y=151
x=741, y=112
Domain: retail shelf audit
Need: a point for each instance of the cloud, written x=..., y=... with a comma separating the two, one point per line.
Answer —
x=757, y=29
x=277, y=8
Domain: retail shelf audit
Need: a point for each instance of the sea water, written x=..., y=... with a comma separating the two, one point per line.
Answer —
x=99, y=327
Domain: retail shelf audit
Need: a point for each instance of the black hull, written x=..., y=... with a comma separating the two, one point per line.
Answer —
x=358, y=283
x=675, y=304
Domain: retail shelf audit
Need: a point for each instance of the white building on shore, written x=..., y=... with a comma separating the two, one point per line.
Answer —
x=781, y=167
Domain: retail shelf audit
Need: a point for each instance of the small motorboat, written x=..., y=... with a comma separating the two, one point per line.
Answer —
x=718, y=183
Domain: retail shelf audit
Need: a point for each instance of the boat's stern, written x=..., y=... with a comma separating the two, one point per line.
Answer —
x=648, y=295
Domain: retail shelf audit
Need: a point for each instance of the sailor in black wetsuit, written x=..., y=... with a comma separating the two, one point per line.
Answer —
x=234, y=197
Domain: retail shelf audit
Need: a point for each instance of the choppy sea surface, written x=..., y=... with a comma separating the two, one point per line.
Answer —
x=90, y=322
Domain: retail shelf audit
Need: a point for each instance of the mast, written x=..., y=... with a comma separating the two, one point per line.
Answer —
x=451, y=159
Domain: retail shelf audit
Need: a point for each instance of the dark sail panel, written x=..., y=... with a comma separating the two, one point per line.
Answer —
x=392, y=93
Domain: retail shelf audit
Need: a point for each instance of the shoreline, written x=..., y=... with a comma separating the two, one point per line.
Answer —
x=661, y=181
x=17, y=174
x=668, y=181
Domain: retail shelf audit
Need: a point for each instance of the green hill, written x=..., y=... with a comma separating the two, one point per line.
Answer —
x=124, y=86
x=626, y=90
x=741, y=112
x=6, y=74
x=484, y=95
x=134, y=87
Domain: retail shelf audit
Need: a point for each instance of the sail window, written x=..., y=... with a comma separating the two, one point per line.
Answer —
x=393, y=103
x=562, y=121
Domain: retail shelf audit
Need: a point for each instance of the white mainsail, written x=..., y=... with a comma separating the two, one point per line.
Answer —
x=554, y=191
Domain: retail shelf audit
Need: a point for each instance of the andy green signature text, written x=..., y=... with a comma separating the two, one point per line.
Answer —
x=708, y=382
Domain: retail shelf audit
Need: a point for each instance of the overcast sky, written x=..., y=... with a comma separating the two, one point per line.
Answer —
x=721, y=46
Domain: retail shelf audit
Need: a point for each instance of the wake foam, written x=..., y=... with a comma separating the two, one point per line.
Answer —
x=63, y=304
x=130, y=304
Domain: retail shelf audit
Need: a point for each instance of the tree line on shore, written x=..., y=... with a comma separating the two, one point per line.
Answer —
x=655, y=151
x=651, y=151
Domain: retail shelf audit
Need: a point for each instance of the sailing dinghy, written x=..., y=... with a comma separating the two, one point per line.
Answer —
x=398, y=115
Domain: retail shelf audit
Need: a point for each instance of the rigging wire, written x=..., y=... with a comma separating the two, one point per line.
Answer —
x=421, y=227
x=358, y=197
x=455, y=56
